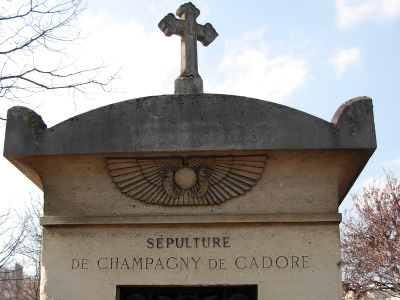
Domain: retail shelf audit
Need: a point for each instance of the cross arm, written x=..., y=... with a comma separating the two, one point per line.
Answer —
x=170, y=25
x=206, y=34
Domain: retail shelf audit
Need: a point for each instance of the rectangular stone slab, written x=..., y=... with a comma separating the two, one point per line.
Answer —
x=290, y=261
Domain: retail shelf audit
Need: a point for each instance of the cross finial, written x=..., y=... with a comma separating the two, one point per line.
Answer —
x=189, y=82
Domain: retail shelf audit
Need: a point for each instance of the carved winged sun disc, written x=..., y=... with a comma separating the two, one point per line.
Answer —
x=198, y=180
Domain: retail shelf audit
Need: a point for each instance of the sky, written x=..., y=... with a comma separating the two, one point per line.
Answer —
x=309, y=55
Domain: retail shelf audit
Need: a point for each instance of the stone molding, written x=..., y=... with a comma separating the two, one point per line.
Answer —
x=311, y=218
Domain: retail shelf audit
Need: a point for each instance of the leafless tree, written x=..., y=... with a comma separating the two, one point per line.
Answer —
x=370, y=237
x=30, y=250
x=12, y=234
x=32, y=27
x=23, y=281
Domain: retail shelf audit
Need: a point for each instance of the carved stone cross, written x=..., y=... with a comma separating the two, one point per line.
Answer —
x=189, y=82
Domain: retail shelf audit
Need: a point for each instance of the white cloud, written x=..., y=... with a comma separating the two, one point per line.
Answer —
x=345, y=58
x=251, y=71
x=393, y=166
x=146, y=58
x=350, y=12
x=392, y=163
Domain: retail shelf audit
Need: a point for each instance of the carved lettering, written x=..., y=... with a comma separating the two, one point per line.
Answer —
x=174, y=265
x=240, y=262
x=305, y=262
x=266, y=262
x=159, y=243
x=75, y=264
x=282, y=262
x=295, y=261
x=138, y=262
x=253, y=264
x=114, y=263
x=125, y=264
x=159, y=264
x=194, y=263
x=149, y=262
x=185, y=242
x=225, y=243
x=222, y=263
x=143, y=263
x=150, y=243
x=102, y=263
x=79, y=264
x=216, y=263
x=212, y=264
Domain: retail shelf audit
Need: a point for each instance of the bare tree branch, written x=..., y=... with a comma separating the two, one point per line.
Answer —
x=12, y=235
x=29, y=31
x=23, y=281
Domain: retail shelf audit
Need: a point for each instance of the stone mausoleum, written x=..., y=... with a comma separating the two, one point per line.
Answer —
x=192, y=196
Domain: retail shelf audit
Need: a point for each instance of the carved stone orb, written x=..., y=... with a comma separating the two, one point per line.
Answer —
x=185, y=177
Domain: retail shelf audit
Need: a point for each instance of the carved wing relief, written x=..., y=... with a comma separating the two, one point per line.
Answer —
x=191, y=181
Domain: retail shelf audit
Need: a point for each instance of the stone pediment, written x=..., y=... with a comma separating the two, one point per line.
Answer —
x=195, y=122
x=190, y=125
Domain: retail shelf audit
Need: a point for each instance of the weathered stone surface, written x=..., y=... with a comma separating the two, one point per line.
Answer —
x=188, y=85
x=288, y=262
x=198, y=122
x=192, y=122
x=280, y=233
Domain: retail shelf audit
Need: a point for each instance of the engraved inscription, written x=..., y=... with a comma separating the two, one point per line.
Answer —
x=193, y=263
x=195, y=242
x=182, y=260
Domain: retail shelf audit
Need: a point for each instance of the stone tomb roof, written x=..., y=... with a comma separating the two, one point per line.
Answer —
x=195, y=123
